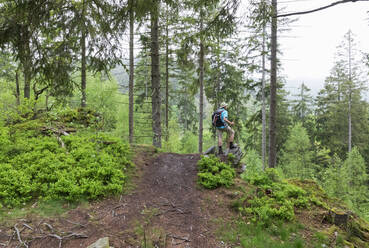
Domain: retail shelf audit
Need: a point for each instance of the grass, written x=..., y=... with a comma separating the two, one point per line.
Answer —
x=41, y=208
x=247, y=235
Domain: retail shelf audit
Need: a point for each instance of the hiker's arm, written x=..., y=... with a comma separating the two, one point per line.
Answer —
x=229, y=122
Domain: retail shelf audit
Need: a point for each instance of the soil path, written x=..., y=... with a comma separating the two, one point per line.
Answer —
x=166, y=209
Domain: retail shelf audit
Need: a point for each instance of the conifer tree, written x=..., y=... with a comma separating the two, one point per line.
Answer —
x=296, y=160
x=341, y=109
x=333, y=179
x=32, y=31
x=302, y=106
x=356, y=177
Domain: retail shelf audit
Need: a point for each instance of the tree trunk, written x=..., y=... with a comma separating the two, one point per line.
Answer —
x=217, y=86
x=167, y=81
x=201, y=79
x=47, y=101
x=349, y=124
x=302, y=112
x=217, y=103
x=83, y=61
x=17, y=88
x=131, y=72
x=155, y=75
x=83, y=69
x=26, y=62
x=273, y=89
x=263, y=112
x=350, y=98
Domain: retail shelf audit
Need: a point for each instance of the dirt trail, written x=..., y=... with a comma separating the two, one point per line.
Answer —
x=166, y=209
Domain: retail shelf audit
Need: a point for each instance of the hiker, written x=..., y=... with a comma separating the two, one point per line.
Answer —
x=224, y=126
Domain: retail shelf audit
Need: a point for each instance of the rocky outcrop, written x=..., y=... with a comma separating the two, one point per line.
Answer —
x=232, y=156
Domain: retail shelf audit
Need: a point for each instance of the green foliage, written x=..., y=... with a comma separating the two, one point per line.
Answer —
x=254, y=164
x=348, y=181
x=38, y=167
x=23, y=112
x=297, y=155
x=273, y=198
x=102, y=98
x=77, y=117
x=213, y=173
x=333, y=179
x=356, y=179
x=173, y=143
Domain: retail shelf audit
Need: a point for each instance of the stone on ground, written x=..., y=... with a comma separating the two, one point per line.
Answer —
x=101, y=243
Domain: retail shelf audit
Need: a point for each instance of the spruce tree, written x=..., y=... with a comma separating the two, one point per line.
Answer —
x=296, y=160
x=341, y=110
x=354, y=171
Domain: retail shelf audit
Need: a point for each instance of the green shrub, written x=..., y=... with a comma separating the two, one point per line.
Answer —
x=274, y=198
x=88, y=167
x=213, y=173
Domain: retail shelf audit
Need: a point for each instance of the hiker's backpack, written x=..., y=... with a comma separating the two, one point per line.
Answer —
x=216, y=118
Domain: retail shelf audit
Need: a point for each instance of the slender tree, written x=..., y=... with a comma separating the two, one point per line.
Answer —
x=167, y=74
x=93, y=28
x=83, y=54
x=155, y=73
x=201, y=82
x=341, y=108
x=273, y=89
x=302, y=105
x=131, y=69
x=263, y=107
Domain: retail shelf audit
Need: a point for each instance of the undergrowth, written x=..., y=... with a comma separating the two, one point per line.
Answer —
x=35, y=164
x=213, y=173
x=271, y=198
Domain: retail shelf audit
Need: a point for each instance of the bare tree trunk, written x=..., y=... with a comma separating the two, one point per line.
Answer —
x=217, y=87
x=350, y=98
x=131, y=72
x=201, y=79
x=83, y=60
x=263, y=112
x=26, y=62
x=47, y=101
x=83, y=69
x=217, y=103
x=273, y=89
x=155, y=75
x=302, y=100
x=17, y=88
x=167, y=81
x=350, y=124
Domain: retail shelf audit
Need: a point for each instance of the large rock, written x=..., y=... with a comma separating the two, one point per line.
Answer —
x=234, y=160
x=101, y=243
x=237, y=155
x=211, y=150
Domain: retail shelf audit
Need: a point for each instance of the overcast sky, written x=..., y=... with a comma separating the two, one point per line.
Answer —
x=309, y=48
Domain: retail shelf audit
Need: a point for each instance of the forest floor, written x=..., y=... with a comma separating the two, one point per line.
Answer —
x=165, y=207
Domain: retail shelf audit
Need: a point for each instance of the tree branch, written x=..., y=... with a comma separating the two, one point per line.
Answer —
x=318, y=9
